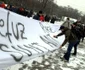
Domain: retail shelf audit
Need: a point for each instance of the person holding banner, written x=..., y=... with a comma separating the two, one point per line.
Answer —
x=70, y=38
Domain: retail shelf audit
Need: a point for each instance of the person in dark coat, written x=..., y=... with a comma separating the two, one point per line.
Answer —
x=53, y=20
x=47, y=18
x=13, y=9
x=21, y=10
x=70, y=38
x=30, y=13
x=81, y=28
x=76, y=31
x=36, y=16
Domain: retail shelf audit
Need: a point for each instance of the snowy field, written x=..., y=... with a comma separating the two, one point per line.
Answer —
x=52, y=61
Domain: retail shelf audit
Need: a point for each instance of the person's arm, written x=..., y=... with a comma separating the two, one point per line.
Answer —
x=58, y=35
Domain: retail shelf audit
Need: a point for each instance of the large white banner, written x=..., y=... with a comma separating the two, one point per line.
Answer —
x=22, y=38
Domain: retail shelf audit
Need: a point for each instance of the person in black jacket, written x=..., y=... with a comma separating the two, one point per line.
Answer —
x=76, y=31
x=80, y=27
x=47, y=18
x=30, y=13
x=53, y=20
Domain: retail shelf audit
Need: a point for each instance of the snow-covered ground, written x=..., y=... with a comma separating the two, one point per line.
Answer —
x=52, y=61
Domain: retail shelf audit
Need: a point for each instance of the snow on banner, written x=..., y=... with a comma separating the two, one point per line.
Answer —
x=22, y=38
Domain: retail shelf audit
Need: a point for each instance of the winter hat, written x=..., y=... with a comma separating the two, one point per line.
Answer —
x=62, y=27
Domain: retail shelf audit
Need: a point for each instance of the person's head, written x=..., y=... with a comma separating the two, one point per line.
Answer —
x=68, y=18
x=62, y=28
x=40, y=12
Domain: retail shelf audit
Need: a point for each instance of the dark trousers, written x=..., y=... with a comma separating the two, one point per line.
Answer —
x=75, y=47
x=70, y=46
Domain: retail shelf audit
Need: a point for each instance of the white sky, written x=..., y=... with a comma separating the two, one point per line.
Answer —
x=76, y=4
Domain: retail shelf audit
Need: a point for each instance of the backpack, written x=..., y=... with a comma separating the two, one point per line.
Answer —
x=77, y=31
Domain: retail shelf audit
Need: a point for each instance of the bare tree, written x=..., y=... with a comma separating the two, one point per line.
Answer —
x=48, y=6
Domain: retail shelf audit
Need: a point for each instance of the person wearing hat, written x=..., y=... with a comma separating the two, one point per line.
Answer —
x=70, y=38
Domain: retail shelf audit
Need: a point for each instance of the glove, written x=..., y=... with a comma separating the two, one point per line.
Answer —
x=55, y=36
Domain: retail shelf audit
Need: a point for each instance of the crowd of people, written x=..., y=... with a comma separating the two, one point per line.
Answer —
x=30, y=13
x=74, y=33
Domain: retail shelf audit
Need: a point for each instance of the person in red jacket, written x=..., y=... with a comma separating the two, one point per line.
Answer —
x=42, y=18
x=39, y=16
x=2, y=5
